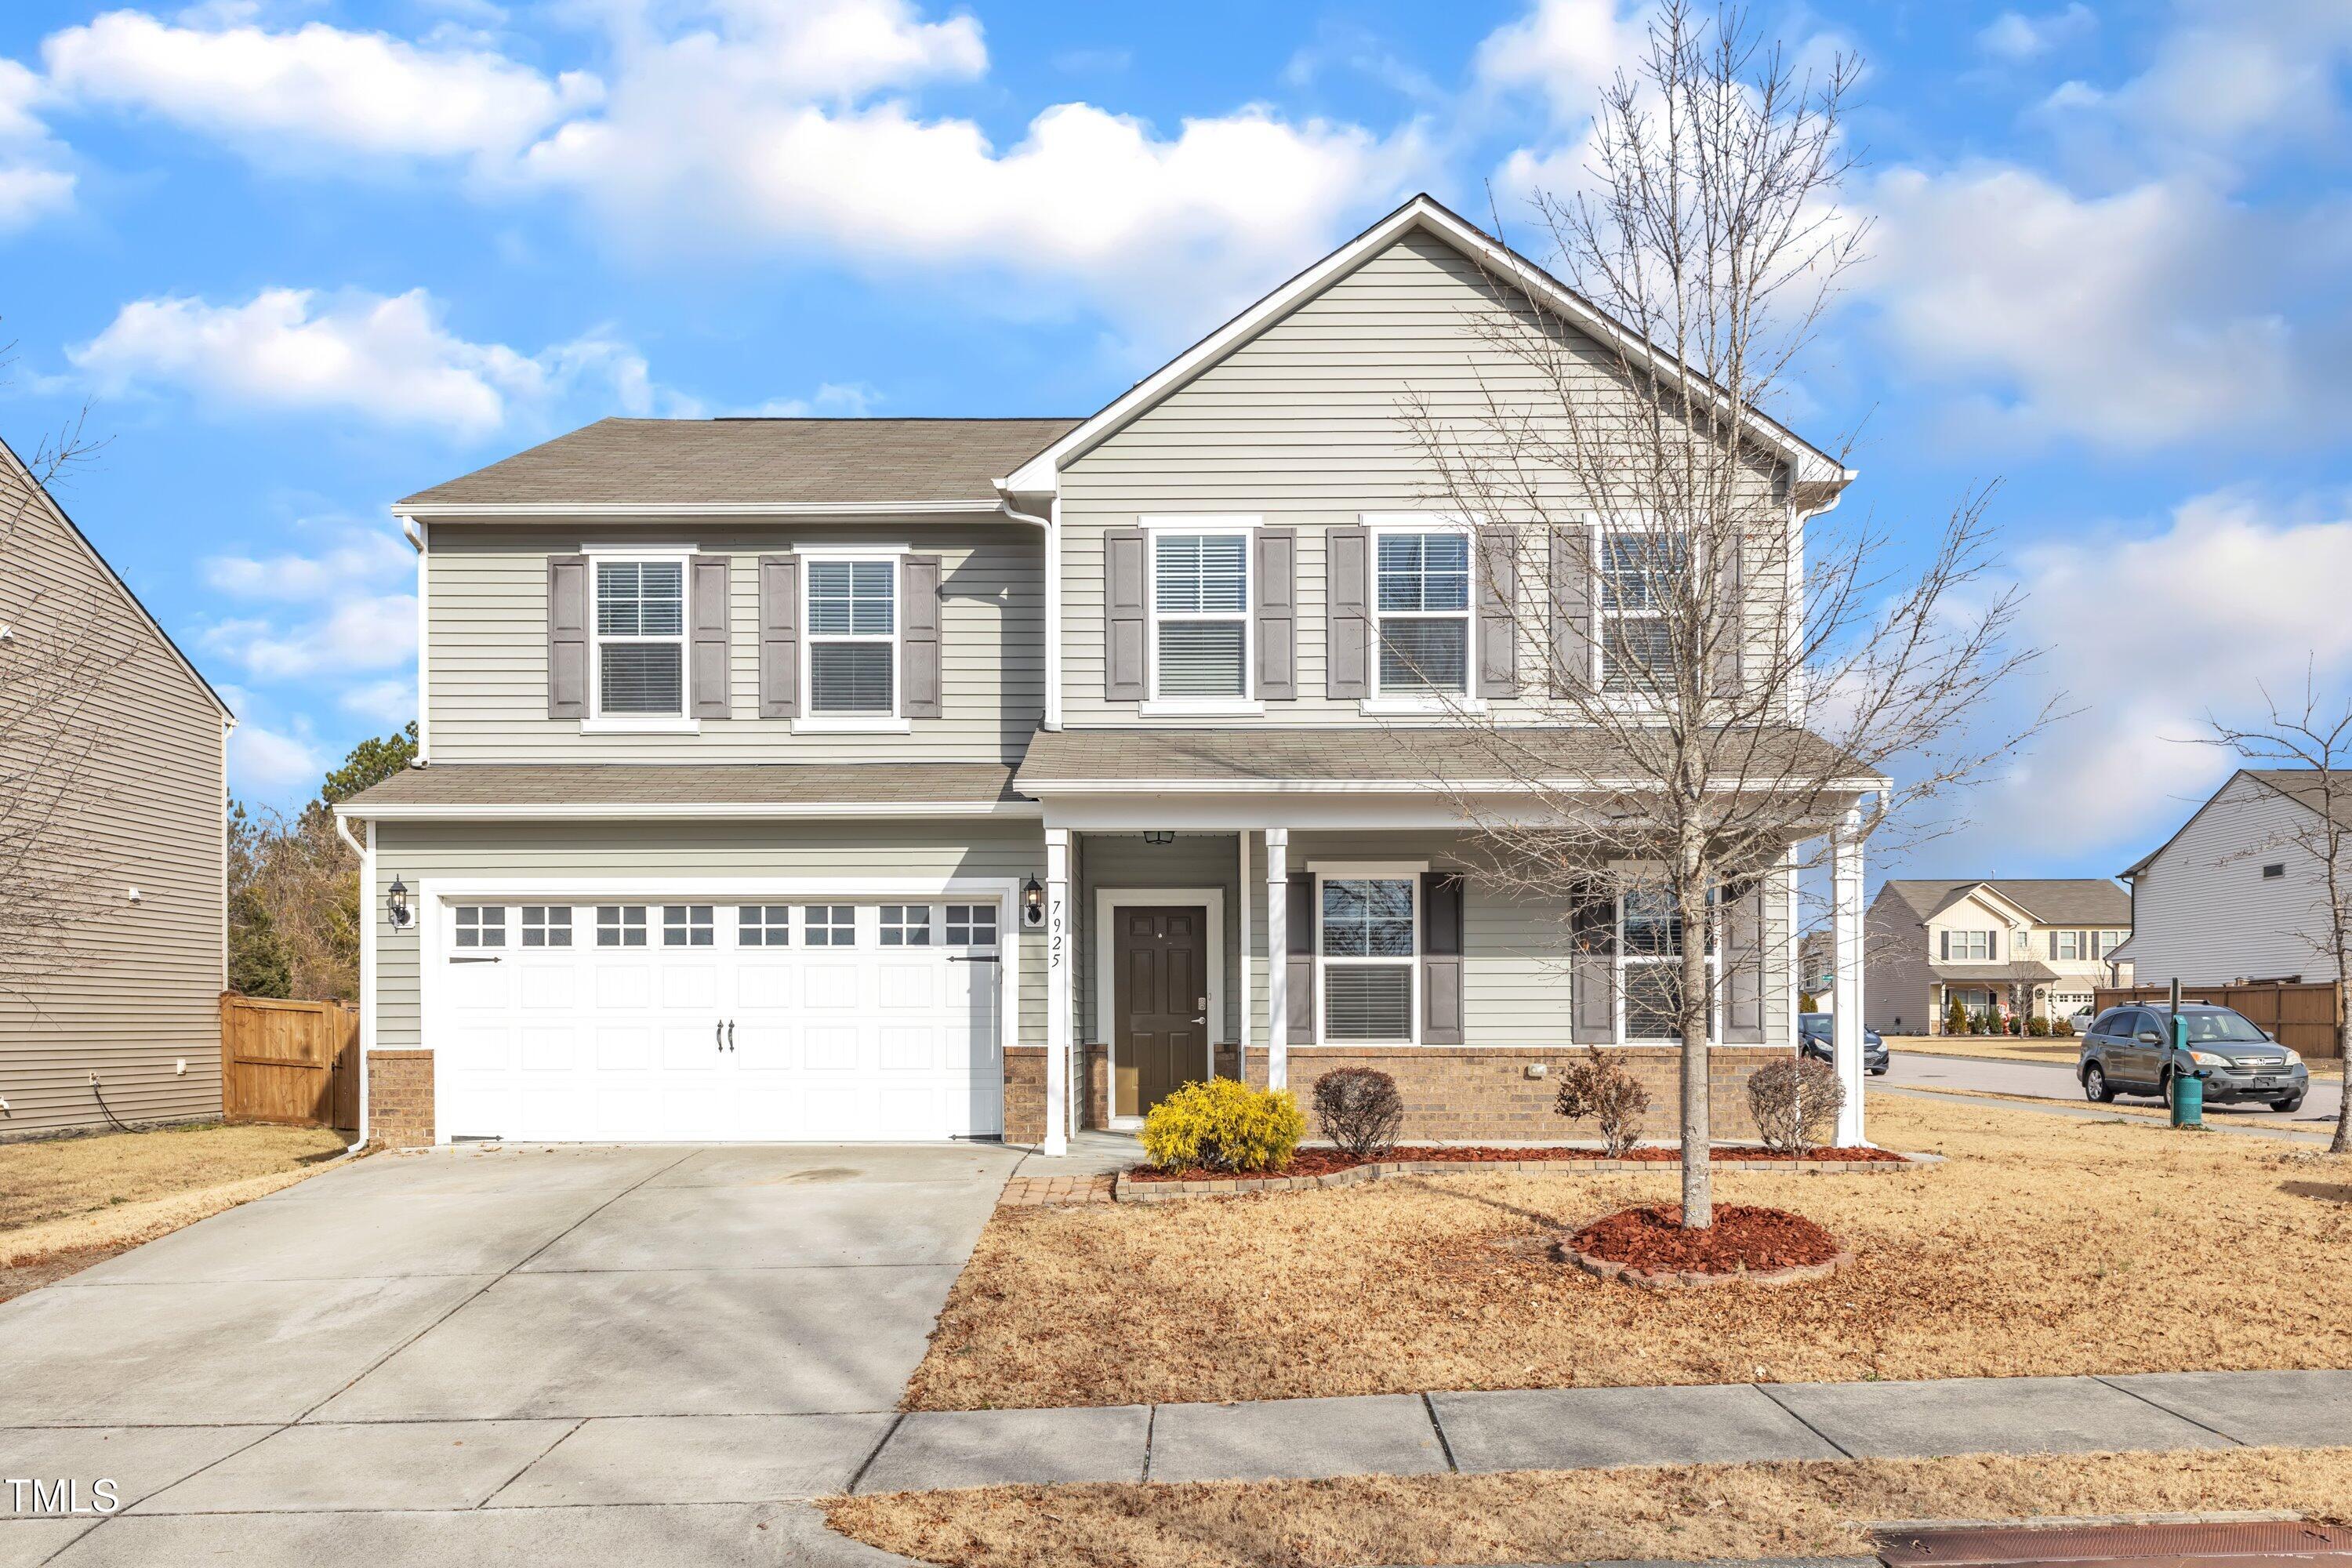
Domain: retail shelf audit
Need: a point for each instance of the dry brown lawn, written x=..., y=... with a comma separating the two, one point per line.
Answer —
x=2042, y=1246
x=1689, y=1512
x=67, y=1202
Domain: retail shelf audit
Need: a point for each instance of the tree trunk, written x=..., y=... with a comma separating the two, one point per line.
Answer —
x=1698, y=1175
x=2342, y=1141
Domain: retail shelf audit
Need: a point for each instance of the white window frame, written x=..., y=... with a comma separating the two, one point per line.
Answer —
x=1406, y=871
x=2077, y=940
x=1944, y=954
x=1625, y=960
x=1420, y=699
x=811, y=722
x=682, y=722
x=2106, y=947
x=1602, y=530
x=1248, y=704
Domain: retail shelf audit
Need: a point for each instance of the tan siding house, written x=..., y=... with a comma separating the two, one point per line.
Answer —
x=125, y=1021
x=829, y=780
x=2018, y=947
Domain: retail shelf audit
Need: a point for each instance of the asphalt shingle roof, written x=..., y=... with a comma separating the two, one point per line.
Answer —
x=2051, y=901
x=809, y=462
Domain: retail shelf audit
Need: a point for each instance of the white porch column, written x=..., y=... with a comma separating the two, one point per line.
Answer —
x=1060, y=995
x=1845, y=921
x=1277, y=953
x=1240, y=1049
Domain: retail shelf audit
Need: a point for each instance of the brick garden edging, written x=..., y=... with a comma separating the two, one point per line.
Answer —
x=1126, y=1189
x=1693, y=1280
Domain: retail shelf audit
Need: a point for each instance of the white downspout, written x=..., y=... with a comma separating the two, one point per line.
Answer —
x=416, y=538
x=1053, y=568
x=367, y=965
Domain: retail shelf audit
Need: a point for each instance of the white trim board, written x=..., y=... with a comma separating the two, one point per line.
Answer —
x=591, y=510
x=849, y=809
x=1108, y=902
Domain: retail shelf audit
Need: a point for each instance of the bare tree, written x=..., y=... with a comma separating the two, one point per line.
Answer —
x=1715, y=683
x=2317, y=742
x=60, y=649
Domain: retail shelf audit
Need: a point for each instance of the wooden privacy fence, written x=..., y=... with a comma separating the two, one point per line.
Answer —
x=295, y=1062
x=2302, y=1015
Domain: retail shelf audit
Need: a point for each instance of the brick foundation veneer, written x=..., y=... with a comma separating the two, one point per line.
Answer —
x=400, y=1099
x=1025, y=1094
x=1098, y=1082
x=1454, y=1093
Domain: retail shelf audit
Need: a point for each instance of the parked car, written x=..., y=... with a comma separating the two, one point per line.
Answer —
x=2130, y=1050
x=2082, y=1019
x=1816, y=1037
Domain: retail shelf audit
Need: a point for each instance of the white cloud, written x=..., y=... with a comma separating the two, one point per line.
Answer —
x=363, y=577
x=362, y=633
x=388, y=359
x=1566, y=51
x=357, y=556
x=33, y=180
x=833, y=400
x=2131, y=320
x=390, y=703
x=272, y=762
x=313, y=94
x=2015, y=36
x=2226, y=74
x=2229, y=596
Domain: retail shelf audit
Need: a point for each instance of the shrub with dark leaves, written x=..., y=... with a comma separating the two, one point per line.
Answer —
x=1600, y=1090
x=1796, y=1102
x=1359, y=1111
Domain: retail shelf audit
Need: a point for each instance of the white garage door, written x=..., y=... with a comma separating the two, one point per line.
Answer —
x=814, y=1021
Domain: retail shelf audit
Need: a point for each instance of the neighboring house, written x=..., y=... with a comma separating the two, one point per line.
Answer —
x=928, y=778
x=2028, y=947
x=2232, y=896
x=113, y=837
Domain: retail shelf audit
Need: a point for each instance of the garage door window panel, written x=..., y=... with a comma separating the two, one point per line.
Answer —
x=763, y=925
x=620, y=925
x=546, y=925
x=688, y=925
x=481, y=925
x=972, y=925
x=830, y=925
x=905, y=925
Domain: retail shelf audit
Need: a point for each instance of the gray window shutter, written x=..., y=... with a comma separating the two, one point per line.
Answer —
x=780, y=636
x=1441, y=958
x=1572, y=613
x=1592, y=969
x=1277, y=613
x=919, y=637
x=567, y=637
x=707, y=649
x=1947, y=954
x=1499, y=593
x=1299, y=934
x=1125, y=615
x=1731, y=635
x=1346, y=613
x=1743, y=967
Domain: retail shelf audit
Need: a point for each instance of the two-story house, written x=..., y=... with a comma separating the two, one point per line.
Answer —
x=2240, y=892
x=2021, y=947
x=916, y=779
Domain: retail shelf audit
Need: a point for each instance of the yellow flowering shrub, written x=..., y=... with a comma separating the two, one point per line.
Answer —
x=1223, y=1125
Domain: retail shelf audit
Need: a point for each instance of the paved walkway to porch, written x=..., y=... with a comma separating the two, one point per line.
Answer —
x=1579, y=1428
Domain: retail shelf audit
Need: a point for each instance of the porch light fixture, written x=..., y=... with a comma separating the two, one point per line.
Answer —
x=1032, y=904
x=396, y=905
x=1160, y=837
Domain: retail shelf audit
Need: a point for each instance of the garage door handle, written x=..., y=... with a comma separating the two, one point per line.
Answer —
x=491, y=958
x=717, y=1037
x=730, y=1035
x=973, y=958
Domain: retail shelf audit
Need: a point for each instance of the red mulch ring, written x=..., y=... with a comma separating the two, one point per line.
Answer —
x=1324, y=1162
x=1743, y=1239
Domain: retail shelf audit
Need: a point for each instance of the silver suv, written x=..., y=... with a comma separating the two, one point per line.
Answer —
x=2129, y=1050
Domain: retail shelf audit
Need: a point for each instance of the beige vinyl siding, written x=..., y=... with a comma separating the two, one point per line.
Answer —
x=147, y=811
x=486, y=645
x=1515, y=983
x=419, y=853
x=1303, y=426
x=1193, y=860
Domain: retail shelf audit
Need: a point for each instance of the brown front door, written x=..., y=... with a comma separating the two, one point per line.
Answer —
x=1162, y=1008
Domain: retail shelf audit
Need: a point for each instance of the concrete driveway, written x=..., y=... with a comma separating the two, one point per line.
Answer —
x=469, y=1355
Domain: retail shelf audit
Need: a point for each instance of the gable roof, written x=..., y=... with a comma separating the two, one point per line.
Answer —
x=750, y=467
x=2048, y=900
x=1810, y=467
x=2300, y=785
x=17, y=470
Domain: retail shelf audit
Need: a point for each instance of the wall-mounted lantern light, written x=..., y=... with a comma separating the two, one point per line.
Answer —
x=396, y=905
x=1032, y=904
x=1160, y=839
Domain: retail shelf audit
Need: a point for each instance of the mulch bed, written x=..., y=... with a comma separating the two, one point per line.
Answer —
x=1328, y=1162
x=1648, y=1246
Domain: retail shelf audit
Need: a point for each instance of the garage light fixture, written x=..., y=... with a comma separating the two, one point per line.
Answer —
x=396, y=905
x=1160, y=839
x=1032, y=904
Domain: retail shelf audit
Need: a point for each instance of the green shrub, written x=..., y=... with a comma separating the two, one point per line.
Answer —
x=2037, y=1025
x=1223, y=1125
x=1956, y=1019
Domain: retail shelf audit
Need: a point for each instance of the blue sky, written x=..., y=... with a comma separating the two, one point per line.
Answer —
x=303, y=257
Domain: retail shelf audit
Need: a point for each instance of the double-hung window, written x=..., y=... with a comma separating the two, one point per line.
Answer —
x=1423, y=605
x=1969, y=946
x=853, y=637
x=1199, y=611
x=1639, y=571
x=2111, y=940
x=1652, y=946
x=1368, y=959
x=640, y=621
x=2069, y=944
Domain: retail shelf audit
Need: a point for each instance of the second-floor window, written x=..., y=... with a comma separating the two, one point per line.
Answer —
x=2111, y=940
x=1639, y=569
x=1424, y=612
x=2068, y=944
x=1199, y=611
x=640, y=638
x=1970, y=946
x=853, y=637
